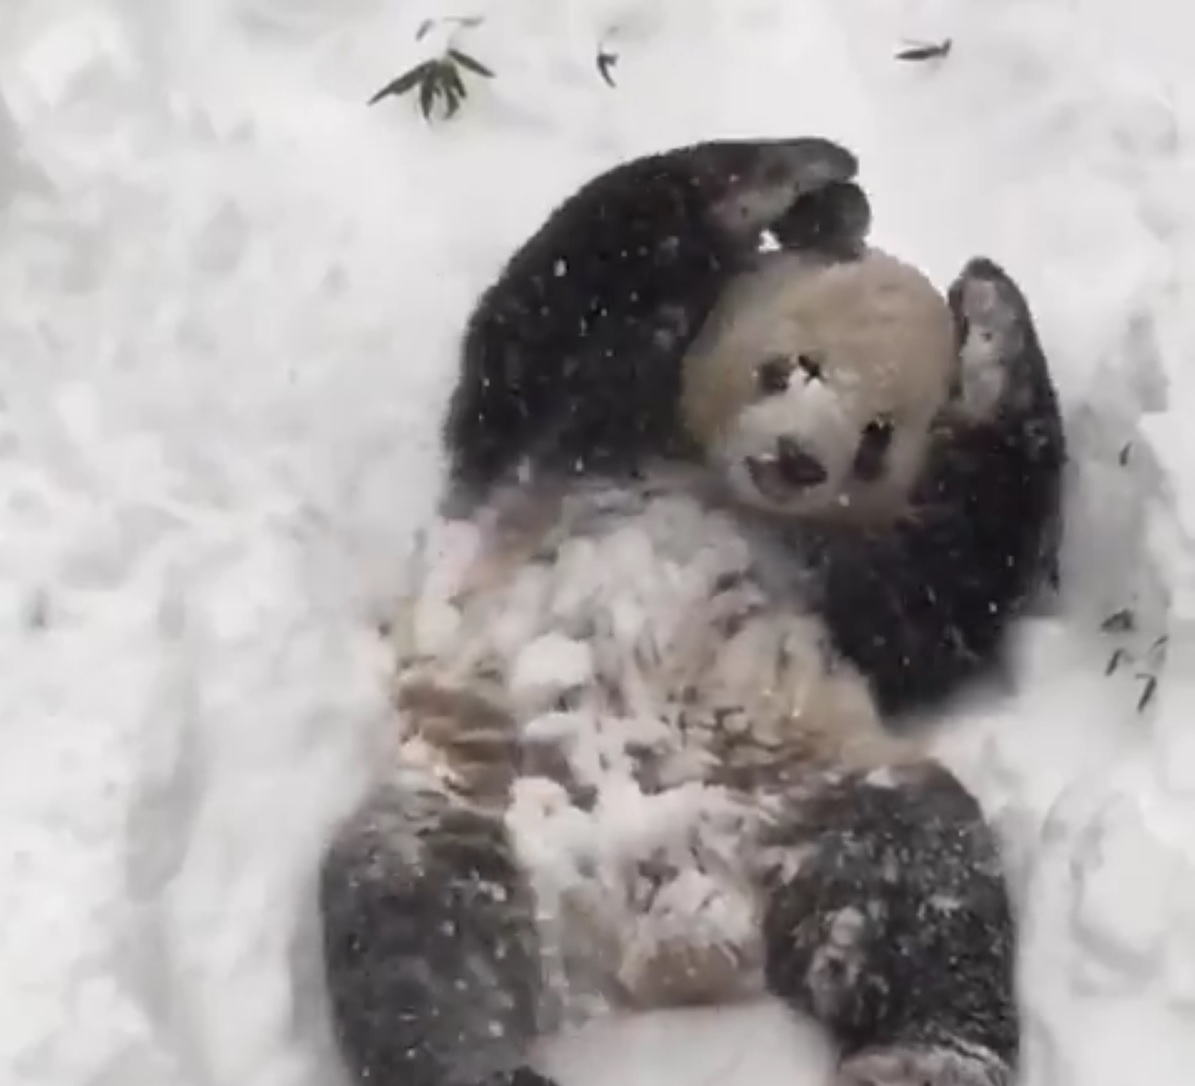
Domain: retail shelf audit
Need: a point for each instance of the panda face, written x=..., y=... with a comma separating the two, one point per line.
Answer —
x=813, y=390
x=818, y=440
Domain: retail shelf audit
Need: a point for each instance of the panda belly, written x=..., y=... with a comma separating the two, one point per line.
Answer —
x=610, y=668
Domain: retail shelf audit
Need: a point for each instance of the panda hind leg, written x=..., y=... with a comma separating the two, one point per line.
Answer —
x=887, y=919
x=431, y=955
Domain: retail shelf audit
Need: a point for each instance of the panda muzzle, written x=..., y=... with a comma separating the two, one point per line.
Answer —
x=789, y=468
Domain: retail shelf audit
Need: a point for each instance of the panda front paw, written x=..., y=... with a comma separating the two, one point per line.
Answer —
x=924, y=1065
x=833, y=220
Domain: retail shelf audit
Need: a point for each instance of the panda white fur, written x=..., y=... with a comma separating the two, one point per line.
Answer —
x=637, y=765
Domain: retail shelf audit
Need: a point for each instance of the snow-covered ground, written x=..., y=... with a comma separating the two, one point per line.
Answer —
x=228, y=300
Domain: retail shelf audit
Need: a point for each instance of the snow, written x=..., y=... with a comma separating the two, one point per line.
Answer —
x=229, y=296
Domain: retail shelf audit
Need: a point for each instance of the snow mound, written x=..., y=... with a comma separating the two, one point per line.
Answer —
x=229, y=300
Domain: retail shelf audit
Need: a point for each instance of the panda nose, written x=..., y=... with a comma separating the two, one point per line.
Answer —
x=795, y=466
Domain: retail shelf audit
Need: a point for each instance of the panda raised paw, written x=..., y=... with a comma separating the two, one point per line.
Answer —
x=571, y=359
x=834, y=220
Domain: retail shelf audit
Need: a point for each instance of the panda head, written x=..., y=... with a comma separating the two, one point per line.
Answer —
x=813, y=386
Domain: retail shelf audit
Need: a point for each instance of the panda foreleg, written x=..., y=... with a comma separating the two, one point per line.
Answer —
x=431, y=951
x=887, y=918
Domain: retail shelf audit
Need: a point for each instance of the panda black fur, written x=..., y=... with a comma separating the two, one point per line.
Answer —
x=571, y=358
x=433, y=933
x=895, y=931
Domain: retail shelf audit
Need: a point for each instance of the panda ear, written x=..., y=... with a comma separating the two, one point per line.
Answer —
x=987, y=305
x=999, y=354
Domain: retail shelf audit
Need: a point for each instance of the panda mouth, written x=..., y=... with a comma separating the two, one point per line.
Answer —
x=782, y=476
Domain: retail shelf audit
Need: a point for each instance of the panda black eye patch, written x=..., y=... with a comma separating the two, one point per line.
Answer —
x=773, y=374
x=810, y=366
x=873, y=446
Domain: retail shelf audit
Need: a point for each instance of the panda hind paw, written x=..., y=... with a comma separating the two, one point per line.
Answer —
x=523, y=1075
x=924, y=1065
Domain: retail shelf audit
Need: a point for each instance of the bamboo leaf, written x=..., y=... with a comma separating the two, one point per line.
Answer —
x=1122, y=621
x=1147, y=693
x=453, y=83
x=605, y=63
x=470, y=63
x=926, y=51
x=427, y=94
x=405, y=82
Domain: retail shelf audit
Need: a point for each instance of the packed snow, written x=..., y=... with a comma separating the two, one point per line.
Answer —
x=229, y=300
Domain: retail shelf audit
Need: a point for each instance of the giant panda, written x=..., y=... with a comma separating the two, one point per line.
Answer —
x=643, y=762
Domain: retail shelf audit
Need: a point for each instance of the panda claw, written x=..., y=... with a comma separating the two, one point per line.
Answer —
x=924, y=1065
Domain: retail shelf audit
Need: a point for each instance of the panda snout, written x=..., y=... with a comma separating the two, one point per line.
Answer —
x=796, y=467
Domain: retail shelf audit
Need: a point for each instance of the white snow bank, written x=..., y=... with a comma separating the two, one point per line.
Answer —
x=229, y=295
